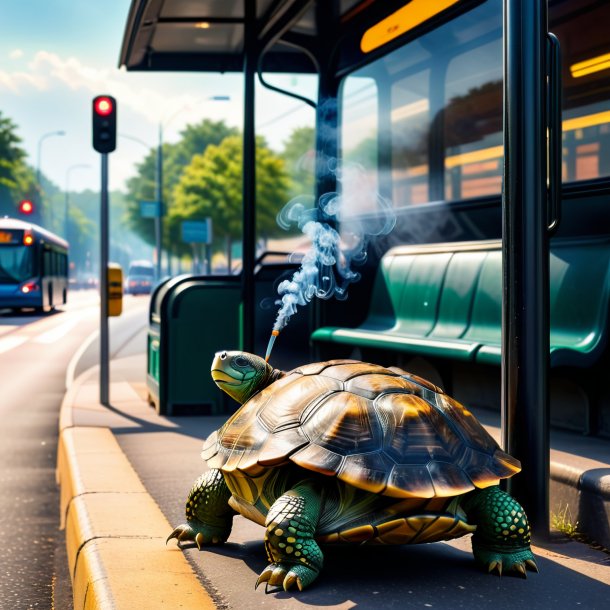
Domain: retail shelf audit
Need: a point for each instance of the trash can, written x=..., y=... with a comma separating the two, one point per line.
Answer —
x=190, y=319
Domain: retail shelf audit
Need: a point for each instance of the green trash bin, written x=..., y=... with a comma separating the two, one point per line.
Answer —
x=190, y=319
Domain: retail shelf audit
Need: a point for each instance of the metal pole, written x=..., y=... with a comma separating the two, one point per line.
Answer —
x=104, y=339
x=159, y=197
x=525, y=250
x=249, y=182
x=66, y=207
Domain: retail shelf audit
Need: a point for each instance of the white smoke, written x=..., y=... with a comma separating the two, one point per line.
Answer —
x=326, y=268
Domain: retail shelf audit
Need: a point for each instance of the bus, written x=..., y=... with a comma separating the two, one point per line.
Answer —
x=33, y=267
x=421, y=98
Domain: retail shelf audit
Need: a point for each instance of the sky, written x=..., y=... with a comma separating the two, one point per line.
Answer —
x=57, y=55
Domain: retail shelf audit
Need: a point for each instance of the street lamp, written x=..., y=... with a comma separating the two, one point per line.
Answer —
x=162, y=124
x=40, y=141
x=66, y=204
x=158, y=217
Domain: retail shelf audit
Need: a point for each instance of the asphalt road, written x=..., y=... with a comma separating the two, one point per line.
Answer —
x=36, y=353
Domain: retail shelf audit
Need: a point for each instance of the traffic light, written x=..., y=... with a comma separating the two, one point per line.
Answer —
x=104, y=123
x=26, y=207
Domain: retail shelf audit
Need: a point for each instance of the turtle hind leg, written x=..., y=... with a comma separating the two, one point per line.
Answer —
x=502, y=538
x=295, y=557
x=209, y=517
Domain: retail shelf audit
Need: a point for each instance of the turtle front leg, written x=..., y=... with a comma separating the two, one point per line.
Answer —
x=209, y=517
x=294, y=555
x=502, y=538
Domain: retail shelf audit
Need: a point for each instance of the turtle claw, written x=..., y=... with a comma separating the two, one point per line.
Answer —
x=520, y=567
x=265, y=575
x=531, y=565
x=281, y=577
x=495, y=565
x=199, y=533
x=182, y=532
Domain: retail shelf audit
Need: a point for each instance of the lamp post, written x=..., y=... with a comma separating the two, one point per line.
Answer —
x=67, y=191
x=157, y=190
x=42, y=138
x=159, y=197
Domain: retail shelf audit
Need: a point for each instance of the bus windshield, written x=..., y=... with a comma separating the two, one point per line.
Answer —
x=16, y=264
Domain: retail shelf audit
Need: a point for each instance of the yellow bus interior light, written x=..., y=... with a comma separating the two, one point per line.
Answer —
x=404, y=19
x=589, y=66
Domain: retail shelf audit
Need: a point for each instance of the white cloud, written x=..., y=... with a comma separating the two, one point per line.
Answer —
x=16, y=54
x=153, y=105
x=16, y=82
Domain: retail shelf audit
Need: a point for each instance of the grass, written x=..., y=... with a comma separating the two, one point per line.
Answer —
x=562, y=521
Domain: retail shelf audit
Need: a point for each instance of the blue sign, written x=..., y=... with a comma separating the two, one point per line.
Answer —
x=197, y=231
x=150, y=209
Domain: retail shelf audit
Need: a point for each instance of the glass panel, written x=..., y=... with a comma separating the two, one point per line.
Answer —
x=285, y=162
x=359, y=142
x=582, y=29
x=473, y=123
x=15, y=264
x=431, y=113
x=410, y=118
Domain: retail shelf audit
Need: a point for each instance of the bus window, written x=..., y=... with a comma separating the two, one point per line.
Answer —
x=16, y=263
x=582, y=29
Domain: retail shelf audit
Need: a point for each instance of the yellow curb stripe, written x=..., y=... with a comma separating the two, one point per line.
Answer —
x=115, y=532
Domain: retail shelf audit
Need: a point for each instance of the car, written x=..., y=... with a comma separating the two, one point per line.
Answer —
x=140, y=278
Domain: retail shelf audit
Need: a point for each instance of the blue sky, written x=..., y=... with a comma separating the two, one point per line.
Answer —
x=56, y=55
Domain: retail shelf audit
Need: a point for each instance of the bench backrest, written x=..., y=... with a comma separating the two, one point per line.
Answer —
x=454, y=291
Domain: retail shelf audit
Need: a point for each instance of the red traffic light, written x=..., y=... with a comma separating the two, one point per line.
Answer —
x=26, y=207
x=104, y=111
x=103, y=105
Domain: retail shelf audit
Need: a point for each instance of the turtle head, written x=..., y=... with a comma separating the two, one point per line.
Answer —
x=241, y=375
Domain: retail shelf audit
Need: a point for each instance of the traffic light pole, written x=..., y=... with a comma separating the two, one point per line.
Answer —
x=104, y=335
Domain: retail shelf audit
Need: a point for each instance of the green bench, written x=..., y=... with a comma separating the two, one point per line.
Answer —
x=445, y=300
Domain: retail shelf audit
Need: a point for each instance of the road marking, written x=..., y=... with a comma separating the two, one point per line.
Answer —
x=59, y=331
x=7, y=328
x=70, y=371
x=9, y=343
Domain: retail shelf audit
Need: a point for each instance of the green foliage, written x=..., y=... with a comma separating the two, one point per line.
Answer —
x=142, y=187
x=211, y=186
x=299, y=156
x=16, y=177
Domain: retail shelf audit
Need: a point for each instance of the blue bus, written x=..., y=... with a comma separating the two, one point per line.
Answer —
x=33, y=267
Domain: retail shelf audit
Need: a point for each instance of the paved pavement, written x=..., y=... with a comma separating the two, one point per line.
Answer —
x=125, y=473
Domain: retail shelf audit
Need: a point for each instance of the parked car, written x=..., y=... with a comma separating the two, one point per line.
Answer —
x=140, y=278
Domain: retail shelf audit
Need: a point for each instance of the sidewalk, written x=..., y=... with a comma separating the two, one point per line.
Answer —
x=125, y=473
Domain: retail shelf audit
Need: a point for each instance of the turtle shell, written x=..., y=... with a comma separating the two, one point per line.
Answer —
x=378, y=429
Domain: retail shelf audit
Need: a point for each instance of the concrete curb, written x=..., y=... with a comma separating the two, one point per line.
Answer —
x=115, y=532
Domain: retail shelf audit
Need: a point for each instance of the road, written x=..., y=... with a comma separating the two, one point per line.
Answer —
x=39, y=355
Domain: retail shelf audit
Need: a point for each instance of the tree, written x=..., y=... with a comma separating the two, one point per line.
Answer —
x=211, y=186
x=142, y=187
x=16, y=177
x=300, y=155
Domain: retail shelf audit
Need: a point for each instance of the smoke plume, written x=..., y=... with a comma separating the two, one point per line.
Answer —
x=326, y=268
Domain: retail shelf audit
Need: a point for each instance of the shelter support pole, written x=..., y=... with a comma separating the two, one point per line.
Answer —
x=525, y=251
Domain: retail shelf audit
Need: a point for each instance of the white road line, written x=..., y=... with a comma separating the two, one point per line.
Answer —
x=77, y=356
x=9, y=343
x=7, y=328
x=59, y=331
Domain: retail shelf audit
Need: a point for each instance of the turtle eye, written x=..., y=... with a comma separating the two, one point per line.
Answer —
x=241, y=362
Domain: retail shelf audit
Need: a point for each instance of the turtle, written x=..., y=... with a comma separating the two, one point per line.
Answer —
x=345, y=451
